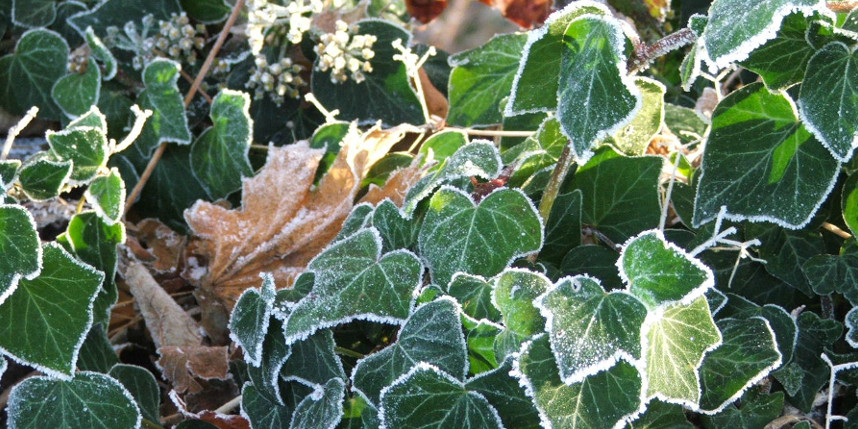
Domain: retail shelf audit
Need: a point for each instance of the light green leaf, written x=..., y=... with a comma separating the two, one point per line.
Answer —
x=749, y=353
x=634, y=138
x=345, y=273
x=427, y=397
x=727, y=42
x=394, y=101
x=43, y=178
x=596, y=97
x=118, y=12
x=849, y=203
x=514, y=293
x=481, y=79
x=590, y=330
x=141, y=384
x=313, y=361
x=459, y=235
x=27, y=76
x=321, y=409
x=828, y=103
x=829, y=273
x=442, y=145
x=248, y=322
x=481, y=337
x=689, y=68
x=762, y=163
x=660, y=273
x=85, y=146
x=89, y=400
x=535, y=153
x=34, y=13
x=44, y=323
x=676, y=342
x=625, y=205
x=106, y=193
x=102, y=53
x=540, y=63
x=168, y=122
x=19, y=245
x=479, y=158
x=474, y=293
x=74, y=93
x=432, y=334
x=615, y=392
x=507, y=396
x=219, y=154
x=684, y=123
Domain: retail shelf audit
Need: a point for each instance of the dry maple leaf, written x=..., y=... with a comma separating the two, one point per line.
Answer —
x=283, y=221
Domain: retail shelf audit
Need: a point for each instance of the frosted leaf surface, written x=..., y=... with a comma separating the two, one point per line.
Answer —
x=322, y=409
x=507, y=396
x=313, y=361
x=474, y=293
x=168, y=122
x=19, y=244
x=248, y=322
x=514, y=293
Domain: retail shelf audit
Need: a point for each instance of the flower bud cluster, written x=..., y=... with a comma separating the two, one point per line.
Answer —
x=78, y=61
x=345, y=54
x=178, y=39
x=278, y=80
x=266, y=18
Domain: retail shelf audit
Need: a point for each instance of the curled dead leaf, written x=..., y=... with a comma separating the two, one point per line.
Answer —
x=186, y=366
x=222, y=421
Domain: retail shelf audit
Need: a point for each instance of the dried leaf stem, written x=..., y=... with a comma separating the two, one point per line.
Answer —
x=150, y=167
x=644, y=53
x=14, y=131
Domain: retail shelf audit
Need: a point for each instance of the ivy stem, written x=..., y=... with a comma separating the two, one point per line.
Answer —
x=229, y=405
x=348, y=352
x=644, y=53
x=830, y=227
x=561, y=170
x=150, y=167
x=14, y=131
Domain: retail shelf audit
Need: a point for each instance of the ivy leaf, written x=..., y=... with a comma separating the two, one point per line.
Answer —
x=481, y=78
x=615, y=392
x=432, y=334
x=507, y=396
x=807, y=373
x=397, y=232
x=514, y=295
x=563, y=229
x=828, y=102
x=848, y=203
x=206, y=11
x=596, y=98
x=426, y=391
x=660, y=273
x=590, y=330
x=344, y=272
x=102, y=53
x=749, y=353
x=248, y=323
x=829, y=273
x=595, y=261
x=459, y=235
x=106, y=193
x=168, y=122
x=274, y=351
x=481, y=337
x=851, y=322
x=74, y=93
x=44, y=323
x=634, y=138
x=142, y=386
x=116, y=13
x=727, y=42
x=676, y=342
x=479, y=158
x=262, y=413
x=43, y=177
x=321, y=409
x=19, y=245
x=34, y=13
x=761, y=162
x=625, y=205
x=442, y=145
x=661, y=415
x=781, y=322
x=85, y=146
x=96, y=353
x=757, y=410
x=28, y=74
x=219, y=154
x=8, y=172
x=540, y=61
x=786, y=252
x=388, y=86
x=474, y=293
x=89, y=399
x=313, y=361
x=535, y=153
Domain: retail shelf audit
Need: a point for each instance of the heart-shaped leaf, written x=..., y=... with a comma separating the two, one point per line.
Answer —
x=514, y=294
x=248, y=322
x=85, y=146
x=34, y=13
x=116, y=13
x=28, y=75
x=459, y=235
x=107, y=195
x=507, y=396
x=19, y=245
x=474, y=293
x=142, y=386
x=43, y=177
x=313, y=361
x=168, y=122
x=321, y=409
x=829, y=273
x=74, y=93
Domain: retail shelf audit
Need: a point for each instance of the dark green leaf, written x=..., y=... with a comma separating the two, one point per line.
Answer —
x=43, y=178
x=563, y=230
x=106, y=193
x=118, y=12
x=102, y=53
x=19, y=245
x=396, y=231
x=474, y=293
x=85, y=146
x=206, y=11
x=594, y=260
x=313, y=361
x=508, y=397
x=781, y=61
x=74, y=93
x=786, y=252
x=27, y=76
x=829, y=273
x=322, y=409
x=661, y=415
x=34, y=13
x=248, y=322
x=142, y=386
x=757, y=411
x=262, y=413
x=97, y=354
x=168, y=122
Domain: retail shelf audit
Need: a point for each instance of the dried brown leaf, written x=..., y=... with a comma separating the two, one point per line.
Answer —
x=526, y=13
x=223, y=421
x=168, y=323
x=186, y=366
x=283, y=221
x=164, y=245
x=425, y=10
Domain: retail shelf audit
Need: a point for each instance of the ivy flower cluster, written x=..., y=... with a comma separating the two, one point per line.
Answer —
x=265, y=18
x=278, y=80
x=178, y=39
x=346, y=55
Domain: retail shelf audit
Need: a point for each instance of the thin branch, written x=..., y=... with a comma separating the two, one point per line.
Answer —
x=14, y=131
x=644, y=54
x=150, y=167
x=229, y=406
x=836, y=230
x=492, y=133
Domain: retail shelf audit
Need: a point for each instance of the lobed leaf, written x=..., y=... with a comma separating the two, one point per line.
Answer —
x=322, y=409
x=74, y=93
x=86, y=147
x=19, y=245
x=248, y=322
x=28, y=74
x=142, y=386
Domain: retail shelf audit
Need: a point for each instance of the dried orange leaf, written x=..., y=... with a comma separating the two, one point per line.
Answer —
x=186, y=366
x=168, y=323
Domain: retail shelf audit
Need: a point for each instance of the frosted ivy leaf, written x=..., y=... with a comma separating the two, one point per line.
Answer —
x=507, y=396
x=353, y=280
x=590, y=330
x=322, y=409
x=675, y=341
x=851, y=322
x=514, y=294
x=658, y=272
x=19, y=245
x=313, y=361
x=432, y=333
x=274, y=352
x=248, y=322
x=460, y=235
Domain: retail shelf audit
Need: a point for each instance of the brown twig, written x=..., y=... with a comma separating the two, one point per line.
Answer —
x=842, y=6
x=644, y=53
x=150, y=167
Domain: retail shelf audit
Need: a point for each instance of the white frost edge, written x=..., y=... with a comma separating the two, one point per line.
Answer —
x=93, y=110
x=302, y=380
x=769, y=32
x=689, y=296
x=535, y=36
x=530, y=391
x=495, y=281
x=255, y=358
x=317, y=395
x=13, y=283
x=97, y=93
x=761, y=375
x=428, y=367
x=30, y=162
x=605, y=364
x=628, y=81
x=70, y=130
x=420, y=238
x=849, y=329
x=173, y=81
x=245, y=145
x=13, y=402
x=49, y=371
x=723, y=303
x=99, y=211
x=810, y=126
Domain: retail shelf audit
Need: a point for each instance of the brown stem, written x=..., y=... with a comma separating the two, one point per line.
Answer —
x=561, y=170
x=842, y=6
x=190, y=96
x=644, y=53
